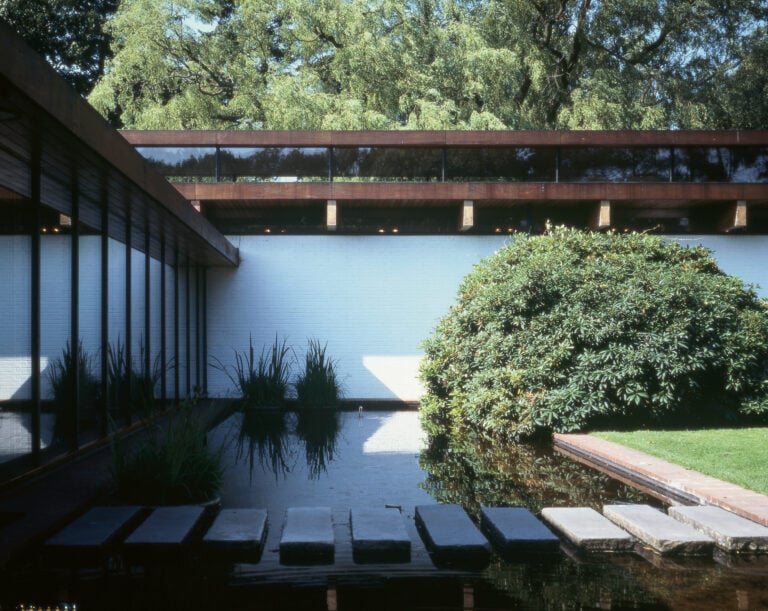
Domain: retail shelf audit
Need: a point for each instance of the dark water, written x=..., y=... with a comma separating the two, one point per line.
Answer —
x=383, y=458
x=375, y=459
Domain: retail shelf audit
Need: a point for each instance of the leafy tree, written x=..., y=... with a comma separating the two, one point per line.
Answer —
x=571, y=329
x=442, y=64
x=68, y=33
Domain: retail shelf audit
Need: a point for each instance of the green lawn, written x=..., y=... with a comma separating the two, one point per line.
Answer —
x=739, y=456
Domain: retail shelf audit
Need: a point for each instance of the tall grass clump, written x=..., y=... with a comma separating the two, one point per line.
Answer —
x=318, y=385
x=63, y=373
x=140, y=393
x=172, y=465
x=261, y=383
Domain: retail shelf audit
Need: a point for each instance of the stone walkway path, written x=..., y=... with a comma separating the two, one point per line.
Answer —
x=704, y=489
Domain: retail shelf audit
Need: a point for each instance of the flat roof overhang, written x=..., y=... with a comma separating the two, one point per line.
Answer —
x=645, y=197
x=43, y=121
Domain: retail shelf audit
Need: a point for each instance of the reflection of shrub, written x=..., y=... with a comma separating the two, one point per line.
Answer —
x=474, y=472
x=318, y=385
x=262, y=383
x=173, y=465
x=63, y=373
x=572, y=329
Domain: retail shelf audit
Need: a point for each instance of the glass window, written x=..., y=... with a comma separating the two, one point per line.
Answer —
x=722, y=164
x=243, y=164
x=614, y=164
x=181, y=163
x=508, y=164
x=388, y=163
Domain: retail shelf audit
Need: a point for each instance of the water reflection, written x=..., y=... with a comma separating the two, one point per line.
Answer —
x=263, y=439
x=272, y=439
x=475, y=472
x=318, y=429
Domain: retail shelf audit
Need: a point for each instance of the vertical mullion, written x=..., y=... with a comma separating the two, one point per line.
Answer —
x=74, y=325
x=128, y=323
x=105, y=309
x=176, y=353
x=198, y=380
x=188, y=348
x=147, y=377
x=163, y=305
x=205, y=330
x=35, y=306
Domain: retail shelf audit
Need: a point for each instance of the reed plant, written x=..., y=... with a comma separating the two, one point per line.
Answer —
x=263, y=382
x=63, y=374
x=172, y=465
x=318, y=386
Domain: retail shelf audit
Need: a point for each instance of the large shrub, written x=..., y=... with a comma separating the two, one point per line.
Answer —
x=570, y=329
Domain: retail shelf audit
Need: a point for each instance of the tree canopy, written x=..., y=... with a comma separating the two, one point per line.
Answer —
x=437, y=64
x=70, y=34
x=571, y=328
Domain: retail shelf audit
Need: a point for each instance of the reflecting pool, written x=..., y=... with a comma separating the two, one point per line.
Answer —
x=377, y=459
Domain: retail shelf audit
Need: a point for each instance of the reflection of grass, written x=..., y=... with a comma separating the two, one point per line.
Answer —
x=263, y=436
x=738, y=456
x=64, y=372
x=318, y=430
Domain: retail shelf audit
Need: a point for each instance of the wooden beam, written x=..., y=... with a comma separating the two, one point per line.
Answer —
x=449, y=138
x=331, y=215
x=467, y=215
x=602, y=216
x=512, y=193
x=735, y=216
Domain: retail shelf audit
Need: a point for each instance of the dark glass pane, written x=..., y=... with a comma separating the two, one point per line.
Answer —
x=181, y=162
x=610, y=164
x=722, y=164
x=501, y=164
x=399, y=220
x=268, y=219
x=388, y=163
x=249, y=163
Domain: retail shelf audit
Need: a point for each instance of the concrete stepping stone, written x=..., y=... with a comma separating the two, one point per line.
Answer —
x=307, y=536
x=516, y=531
x=587, y=529
x=731, y=533
x=237, y=534
x=657, y=530
x=379, y=535
x=451, y=536
x=167, y=531
x=92, y=536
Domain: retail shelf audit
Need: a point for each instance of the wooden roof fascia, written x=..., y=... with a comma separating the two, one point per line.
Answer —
x=26, y=72
x=403, y=138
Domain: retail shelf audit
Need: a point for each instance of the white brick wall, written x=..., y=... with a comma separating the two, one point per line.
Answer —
x=372, y=298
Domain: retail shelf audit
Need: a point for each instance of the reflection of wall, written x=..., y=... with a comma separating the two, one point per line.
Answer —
x=372, y=298
x=15, y=307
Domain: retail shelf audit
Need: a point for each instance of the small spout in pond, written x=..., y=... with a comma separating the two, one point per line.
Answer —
x=398, y=507
x=360, y=411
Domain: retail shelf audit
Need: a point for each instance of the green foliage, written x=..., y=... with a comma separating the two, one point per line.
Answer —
x=262, y=383
x=435, y=64
x=575, y=329
x=172, y=466
x=318, y=385
x=70, y=34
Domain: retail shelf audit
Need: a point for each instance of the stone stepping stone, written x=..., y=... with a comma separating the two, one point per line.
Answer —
x=379, y=535
x=237, y=534
x=451, y=536
x=307, y=536
x=587, y=529
x=516, y=531
x=731, y=533
x=91, y=538
x=657, y=530
x=167, y=531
